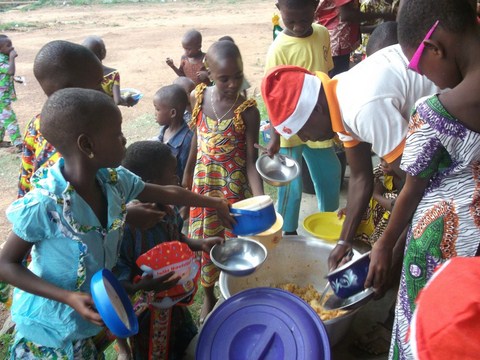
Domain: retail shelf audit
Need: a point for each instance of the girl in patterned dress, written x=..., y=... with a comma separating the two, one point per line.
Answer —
x=222, y=156
x=441, y=195
x=111, y=76
x=72, y=221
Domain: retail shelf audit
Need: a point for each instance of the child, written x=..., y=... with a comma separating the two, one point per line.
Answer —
x=111, y=77
x=170, y=103
x=384, y=35
x=180, y=329
x=441, y=155
x=385, y=191
x=307, y=45
x=222, y=156
x=52, y=72
x=8, y=119
x=188, y=85
x=191, y=62
x=72, y=222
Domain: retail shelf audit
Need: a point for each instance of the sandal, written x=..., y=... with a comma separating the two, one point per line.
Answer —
x=376, y=341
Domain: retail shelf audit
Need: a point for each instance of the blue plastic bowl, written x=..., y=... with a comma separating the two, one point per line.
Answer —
x=260, y=217
x=349, y=279
x=113, y=304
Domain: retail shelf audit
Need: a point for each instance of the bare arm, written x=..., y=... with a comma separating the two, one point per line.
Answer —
x=178, y=71
x=360, y=189
x=11, y=63
x=352, y=14
x=405, y=206
x=13, y=272
x=187, y=180
x=176, y=195
x=252, y=121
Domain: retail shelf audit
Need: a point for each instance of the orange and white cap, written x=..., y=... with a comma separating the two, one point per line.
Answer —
x=290, y=94
x=446, y=321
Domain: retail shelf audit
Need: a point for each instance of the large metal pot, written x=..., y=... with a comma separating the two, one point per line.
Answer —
x=297, y=259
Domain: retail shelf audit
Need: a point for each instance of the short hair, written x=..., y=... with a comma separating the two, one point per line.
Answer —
x=173, y=95
x=95, y=44
x=145, y=158
x=192, y=35
x=385, y=34
x=297, y=4
x=417, y=17
x=70, y=112
x=226, y=38
x=220, y=50
x=186, y=83
x=60, y=64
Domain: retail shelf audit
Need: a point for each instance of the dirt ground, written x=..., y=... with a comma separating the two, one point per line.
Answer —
x=138, y=37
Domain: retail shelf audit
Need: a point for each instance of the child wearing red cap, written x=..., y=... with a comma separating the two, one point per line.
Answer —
x=307, y=45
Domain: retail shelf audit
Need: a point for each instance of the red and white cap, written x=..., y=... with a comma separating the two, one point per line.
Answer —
x=290, y=94
x=446, y=321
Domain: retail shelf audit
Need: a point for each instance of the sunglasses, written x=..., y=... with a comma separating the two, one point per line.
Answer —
x=413, y=64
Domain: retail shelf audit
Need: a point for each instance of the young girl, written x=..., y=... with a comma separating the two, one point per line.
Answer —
x=226, y=127
x=111, y=76
x=441, y=155
x=72, y=223
x=156, y=339
x=192, y=61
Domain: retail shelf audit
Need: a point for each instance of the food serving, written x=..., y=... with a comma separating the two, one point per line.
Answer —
x=311, y=296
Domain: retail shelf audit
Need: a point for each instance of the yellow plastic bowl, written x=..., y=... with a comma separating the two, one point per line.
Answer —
x=271, y=237
x=324, y=225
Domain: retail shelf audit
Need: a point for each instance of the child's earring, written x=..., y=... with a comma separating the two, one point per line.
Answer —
x=91, y=155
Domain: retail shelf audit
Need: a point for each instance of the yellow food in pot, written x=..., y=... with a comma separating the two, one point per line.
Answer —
x=311, y=296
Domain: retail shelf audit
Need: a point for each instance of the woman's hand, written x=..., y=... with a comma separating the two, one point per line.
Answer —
x=84, y=305
x=223, y=213
x=340, y=254
x=162, y=283
x=209, y=242
x=143, y=215
x=379, y=270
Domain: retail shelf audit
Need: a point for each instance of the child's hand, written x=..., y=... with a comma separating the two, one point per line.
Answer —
x=209, y=242
x=162, y=283
x=13, y=54
x=202, y=76
x=84, y=305
x=342, y=212
x=223, y=213
x=143, y=215
x=130, y=101
x=169, y=62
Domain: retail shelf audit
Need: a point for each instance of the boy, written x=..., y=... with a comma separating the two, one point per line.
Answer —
x=304, y=44
x=8, y=120
x=191, y=63
x=170, y=103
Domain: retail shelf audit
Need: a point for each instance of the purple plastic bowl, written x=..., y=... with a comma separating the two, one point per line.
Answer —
x=263, y=323
x=349, y=279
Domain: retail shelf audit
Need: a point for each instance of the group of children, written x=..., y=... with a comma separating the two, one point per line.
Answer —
x=78, y=211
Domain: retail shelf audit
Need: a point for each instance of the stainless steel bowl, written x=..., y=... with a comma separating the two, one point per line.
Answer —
x=277, y=171
x=239, y=256
x=296, y=259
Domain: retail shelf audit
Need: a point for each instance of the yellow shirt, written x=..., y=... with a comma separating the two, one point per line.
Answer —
x=312, y=53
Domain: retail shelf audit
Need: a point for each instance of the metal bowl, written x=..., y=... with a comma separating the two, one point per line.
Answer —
x=239, y=256
x=296, y=259
x=277, y=171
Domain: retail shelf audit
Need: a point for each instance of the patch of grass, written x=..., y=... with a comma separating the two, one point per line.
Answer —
x=4, y=345
x=19, y=26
